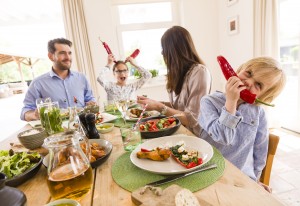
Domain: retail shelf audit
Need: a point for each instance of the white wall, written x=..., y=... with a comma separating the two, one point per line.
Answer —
x=205, y=19
x=236, y=48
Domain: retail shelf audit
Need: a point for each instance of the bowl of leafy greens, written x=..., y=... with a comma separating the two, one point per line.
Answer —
x=19, y=166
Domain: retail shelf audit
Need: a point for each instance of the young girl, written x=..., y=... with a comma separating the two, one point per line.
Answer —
x=238, y=129
x=120, y=89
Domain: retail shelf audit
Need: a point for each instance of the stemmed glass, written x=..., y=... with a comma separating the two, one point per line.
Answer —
x=122, y=106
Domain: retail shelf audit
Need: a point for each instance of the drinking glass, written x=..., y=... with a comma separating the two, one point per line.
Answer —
x=131, y=138
x=109, y=106
x=122, y=106
x=69, y=171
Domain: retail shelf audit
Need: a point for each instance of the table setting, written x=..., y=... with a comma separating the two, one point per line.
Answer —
x=122, y=174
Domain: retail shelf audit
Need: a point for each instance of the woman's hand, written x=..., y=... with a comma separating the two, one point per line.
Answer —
x=151, y=104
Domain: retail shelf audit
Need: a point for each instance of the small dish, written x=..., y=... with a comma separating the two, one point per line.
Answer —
x=105, y=127
x=103, y=143
x=107, y=145
x=32, y=138
x=65, y=202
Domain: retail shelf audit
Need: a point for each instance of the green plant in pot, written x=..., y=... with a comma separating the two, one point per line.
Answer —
x=154, y=72
x=138, y=75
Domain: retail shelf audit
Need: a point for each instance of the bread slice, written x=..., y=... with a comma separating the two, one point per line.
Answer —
x=186, y=198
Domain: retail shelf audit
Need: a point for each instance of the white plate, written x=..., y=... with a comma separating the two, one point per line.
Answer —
x=170, y=166
x=153, y=113
x=108, y=117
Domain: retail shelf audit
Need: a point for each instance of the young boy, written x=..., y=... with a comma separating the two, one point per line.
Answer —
x=237, y=129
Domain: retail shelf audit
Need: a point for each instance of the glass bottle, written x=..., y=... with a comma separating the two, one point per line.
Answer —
x=69, y=171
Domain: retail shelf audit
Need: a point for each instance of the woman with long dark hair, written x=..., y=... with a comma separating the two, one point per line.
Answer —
x=188, y=80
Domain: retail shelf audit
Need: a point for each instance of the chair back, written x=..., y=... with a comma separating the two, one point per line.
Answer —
x=266, y=173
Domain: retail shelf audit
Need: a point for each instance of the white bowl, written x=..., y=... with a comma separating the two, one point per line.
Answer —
x=105, y=127
x=64, y=201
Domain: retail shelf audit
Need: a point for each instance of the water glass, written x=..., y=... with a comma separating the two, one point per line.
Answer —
x=131, y=138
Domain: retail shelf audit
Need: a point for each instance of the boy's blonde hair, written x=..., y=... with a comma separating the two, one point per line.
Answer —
x=266, y=70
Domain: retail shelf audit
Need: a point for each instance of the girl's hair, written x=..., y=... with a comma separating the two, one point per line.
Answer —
x=266, y=70
x=118, y=63
x=180, y=55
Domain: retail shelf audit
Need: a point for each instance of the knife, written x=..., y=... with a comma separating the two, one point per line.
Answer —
x=178, y=176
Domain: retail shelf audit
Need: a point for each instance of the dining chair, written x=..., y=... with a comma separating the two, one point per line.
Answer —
x=266, y=173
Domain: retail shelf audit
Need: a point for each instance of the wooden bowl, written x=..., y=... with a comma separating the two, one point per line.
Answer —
x=32, y=138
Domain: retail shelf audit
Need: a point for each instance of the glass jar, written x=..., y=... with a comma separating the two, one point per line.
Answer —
x=50, y=117
x=69, y=171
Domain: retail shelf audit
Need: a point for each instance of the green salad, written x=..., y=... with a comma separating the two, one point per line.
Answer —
x=13, y=164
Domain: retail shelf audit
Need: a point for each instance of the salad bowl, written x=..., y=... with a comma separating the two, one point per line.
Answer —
x=155, y=126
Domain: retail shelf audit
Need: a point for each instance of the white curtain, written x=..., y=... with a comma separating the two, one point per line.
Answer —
x=76, y=31
x=266, y=28
x=266, y=44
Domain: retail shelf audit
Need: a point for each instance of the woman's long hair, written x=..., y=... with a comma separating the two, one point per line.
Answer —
x=180, y=55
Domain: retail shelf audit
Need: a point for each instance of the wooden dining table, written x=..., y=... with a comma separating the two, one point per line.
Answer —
x=233, y=188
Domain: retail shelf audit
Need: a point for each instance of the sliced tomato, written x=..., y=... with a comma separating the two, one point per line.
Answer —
x=145, y=150
x=153, y=127
x=171, y=120
x=190, y=165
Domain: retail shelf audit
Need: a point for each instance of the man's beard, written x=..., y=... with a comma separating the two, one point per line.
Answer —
x=62, y=67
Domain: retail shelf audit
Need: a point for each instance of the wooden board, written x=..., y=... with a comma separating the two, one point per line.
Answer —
x=149, y=198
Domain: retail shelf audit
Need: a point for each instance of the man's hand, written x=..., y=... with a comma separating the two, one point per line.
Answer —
x=32, y=115
x=90, y=103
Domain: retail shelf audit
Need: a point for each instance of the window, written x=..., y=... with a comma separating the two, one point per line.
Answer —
x=25, y=29
x=289, y=41
x=141, y=25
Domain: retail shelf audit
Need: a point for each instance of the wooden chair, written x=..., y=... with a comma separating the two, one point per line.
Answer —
x=266, y=173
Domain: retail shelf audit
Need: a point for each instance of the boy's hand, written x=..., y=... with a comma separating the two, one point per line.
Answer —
x=233, y=88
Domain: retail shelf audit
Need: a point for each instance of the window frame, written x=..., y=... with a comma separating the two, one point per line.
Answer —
x=141, y=26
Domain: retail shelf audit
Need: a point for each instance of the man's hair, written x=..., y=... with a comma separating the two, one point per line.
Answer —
x=51, y=44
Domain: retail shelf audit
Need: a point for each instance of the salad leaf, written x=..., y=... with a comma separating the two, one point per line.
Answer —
x=15, y=164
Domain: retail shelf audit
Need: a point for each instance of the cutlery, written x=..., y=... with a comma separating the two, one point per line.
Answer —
x=178, y=176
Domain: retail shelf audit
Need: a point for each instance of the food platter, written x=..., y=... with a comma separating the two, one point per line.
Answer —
x=170, y=166
x=132, y=117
